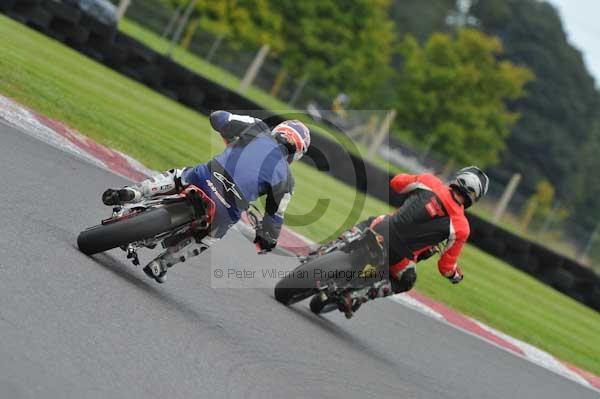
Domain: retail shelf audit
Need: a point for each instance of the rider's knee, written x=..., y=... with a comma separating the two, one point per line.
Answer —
x=405, y=280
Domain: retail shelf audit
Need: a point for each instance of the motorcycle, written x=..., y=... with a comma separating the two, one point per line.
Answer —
x=170, y=220
x=342, y=274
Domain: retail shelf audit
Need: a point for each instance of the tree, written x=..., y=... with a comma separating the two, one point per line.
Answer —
x=542, y=206
x=342, y=46
x=586, y=187
x=420, y=18
x=562, y=104
x=451, y=95
x=243, y=22
x=560, y=116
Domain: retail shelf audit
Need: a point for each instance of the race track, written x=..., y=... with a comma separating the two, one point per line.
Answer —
x=73, y=326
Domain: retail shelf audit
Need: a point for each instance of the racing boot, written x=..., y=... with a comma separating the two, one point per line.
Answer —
x=403, y=276
x=112, y=197
x=348, y=305
x=378, y=291
x=169, y=182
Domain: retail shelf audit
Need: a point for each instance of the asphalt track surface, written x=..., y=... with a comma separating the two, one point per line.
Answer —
x=73, y=326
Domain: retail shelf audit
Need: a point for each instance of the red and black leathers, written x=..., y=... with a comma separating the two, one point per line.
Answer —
x=429, y=216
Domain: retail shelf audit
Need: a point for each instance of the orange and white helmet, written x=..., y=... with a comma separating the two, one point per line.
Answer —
x=295, y=136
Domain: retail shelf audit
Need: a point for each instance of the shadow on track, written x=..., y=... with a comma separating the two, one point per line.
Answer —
x=342, y=334
x=150, y=287
x=407, y=375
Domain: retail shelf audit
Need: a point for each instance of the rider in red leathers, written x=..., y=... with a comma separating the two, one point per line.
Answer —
x=432, y=213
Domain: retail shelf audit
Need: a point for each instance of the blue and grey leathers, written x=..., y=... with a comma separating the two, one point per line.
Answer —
x=253, y=164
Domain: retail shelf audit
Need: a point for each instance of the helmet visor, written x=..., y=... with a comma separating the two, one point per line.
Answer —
x=472, y=195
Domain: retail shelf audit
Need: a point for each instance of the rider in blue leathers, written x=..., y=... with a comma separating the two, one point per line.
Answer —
x=254, y=163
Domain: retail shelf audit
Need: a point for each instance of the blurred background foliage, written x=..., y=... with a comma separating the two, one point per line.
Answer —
x=332, y=42
x=560, y=116
x=491, y=82
x=452, y=93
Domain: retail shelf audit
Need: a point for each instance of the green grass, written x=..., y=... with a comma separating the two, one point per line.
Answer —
x=513, y=302
x=120, y=113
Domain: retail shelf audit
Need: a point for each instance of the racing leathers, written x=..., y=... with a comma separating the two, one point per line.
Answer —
x=429, y=216
x=253, y=164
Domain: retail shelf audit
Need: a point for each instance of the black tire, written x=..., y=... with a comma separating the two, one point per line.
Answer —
x=317, y=306
x=145, y=225
x=302, y=282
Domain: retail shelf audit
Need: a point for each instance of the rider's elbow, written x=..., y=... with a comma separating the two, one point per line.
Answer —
x=218, y=119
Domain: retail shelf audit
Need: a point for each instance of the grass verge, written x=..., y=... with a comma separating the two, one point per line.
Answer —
x=120, y=113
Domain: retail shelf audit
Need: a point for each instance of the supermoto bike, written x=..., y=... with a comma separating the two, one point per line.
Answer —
x=170, y=220
x=340, y=275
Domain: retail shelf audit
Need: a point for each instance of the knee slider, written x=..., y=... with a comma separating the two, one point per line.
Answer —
x=407, y=280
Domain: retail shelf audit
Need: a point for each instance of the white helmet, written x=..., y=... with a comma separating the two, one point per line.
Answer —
x=472, y=183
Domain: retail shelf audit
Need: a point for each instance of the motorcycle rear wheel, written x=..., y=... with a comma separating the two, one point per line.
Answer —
x=145, y=225
x=302, y=282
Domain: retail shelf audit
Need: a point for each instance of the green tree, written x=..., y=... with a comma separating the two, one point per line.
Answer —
x=560, y=115
x=243, y=22
x=451, y=95
x=342, y=46
x=420, y=18
x=542, y=208
x=585, y=187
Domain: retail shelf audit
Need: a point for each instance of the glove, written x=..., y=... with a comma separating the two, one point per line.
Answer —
x=264, y=242
x=457, y=277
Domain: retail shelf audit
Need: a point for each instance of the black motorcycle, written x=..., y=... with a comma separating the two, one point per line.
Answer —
x=340, y=275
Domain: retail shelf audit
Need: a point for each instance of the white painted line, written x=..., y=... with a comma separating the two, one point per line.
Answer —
x=538, y=356
x=416, y=305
